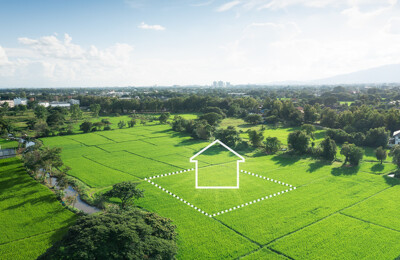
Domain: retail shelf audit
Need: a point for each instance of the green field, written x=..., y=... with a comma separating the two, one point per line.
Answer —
x=4, y=144
x=329, y=202
x=31, y=217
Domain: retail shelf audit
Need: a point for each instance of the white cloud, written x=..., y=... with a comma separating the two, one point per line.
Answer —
x=282, y=4
x=3, y=56
x=155, y=27
x=393, y=26
x=50, y=61
x=228, y=6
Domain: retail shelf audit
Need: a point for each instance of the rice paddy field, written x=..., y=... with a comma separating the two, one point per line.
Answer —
x=31, y=217
x=285, y=208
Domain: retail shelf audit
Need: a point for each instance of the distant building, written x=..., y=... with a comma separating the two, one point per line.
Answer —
x=59, y=104
x=44, y=104
x=300, y=109
x=10, y=103
x=20, y=101
x=395, y=139
x=74, y=102
x=221, y=84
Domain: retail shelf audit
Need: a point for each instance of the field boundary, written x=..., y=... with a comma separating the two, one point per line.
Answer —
x=244, y=204
x=369, y=222
x=28, y=237
x=110, y=167
x=317, y=221
x=152, y=159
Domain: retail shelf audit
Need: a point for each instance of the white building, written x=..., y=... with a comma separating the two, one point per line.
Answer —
x=395, y=139
x=59, y=104
x=44, y=104
x=74, y=102
x=20, y=101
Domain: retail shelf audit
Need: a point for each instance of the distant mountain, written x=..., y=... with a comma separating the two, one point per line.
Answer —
x=383, y=74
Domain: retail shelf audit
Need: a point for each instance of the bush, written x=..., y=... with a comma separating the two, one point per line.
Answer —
x=338, y=135
x=272, y=145
x=272, y=119
x=377, y=137
x=328, y=149
x=352, y=153
x=255, y=137
x=212, y=118
x=253, y=119
x=228, y=136
x=298, y=141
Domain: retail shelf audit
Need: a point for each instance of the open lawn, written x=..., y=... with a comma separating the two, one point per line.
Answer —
x=331, y=213
x=31, y=217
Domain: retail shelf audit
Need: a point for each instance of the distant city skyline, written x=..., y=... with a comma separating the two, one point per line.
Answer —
x=192, y=42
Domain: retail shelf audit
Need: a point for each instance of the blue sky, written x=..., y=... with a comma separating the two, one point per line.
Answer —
x=62, y=43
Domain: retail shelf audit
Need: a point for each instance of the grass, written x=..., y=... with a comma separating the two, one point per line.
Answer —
x=215, y=200
x=341, y=237
x=382, y=209
x=330, y=199
x=32, y=218
x=4, y=144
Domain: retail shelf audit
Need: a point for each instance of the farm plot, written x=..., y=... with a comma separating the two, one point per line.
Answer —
x=382, y=209
x=309, y=203
x=96, y=174
x=90, y=139
x=30, y=214
x=131, y=164
x=341, y=237
x=253, y=189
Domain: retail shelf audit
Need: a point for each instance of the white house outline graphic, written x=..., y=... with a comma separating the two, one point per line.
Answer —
x=237, y=167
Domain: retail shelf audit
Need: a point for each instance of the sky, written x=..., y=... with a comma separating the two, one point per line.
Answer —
x=95, y=43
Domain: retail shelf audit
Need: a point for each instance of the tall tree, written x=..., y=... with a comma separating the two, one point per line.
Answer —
x=272, y=145
x=164, y=118
x=76, y=112
x=255, y=137
x=95, y=108
x=380, y=154
x=298, y=141
x=328, y=149
x=253, y=119
x=126, y=191
x=228, y=136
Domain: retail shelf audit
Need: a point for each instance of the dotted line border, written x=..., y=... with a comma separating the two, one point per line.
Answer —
x=290, y=188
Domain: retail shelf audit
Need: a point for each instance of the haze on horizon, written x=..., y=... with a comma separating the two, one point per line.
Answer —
x=147, y=42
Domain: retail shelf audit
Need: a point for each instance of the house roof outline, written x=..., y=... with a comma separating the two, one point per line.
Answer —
x=221, y=143
x=241, y=159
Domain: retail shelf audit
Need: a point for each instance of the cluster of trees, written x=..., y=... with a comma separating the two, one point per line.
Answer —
x=43, y=163
x=123, y=233
x=374, y=137
x=88, y=126
x=299, y=142
x=128, y=234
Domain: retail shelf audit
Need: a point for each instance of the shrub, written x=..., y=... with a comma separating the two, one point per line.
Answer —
x=253, y=119
x=272, y=145
x=298, y=141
